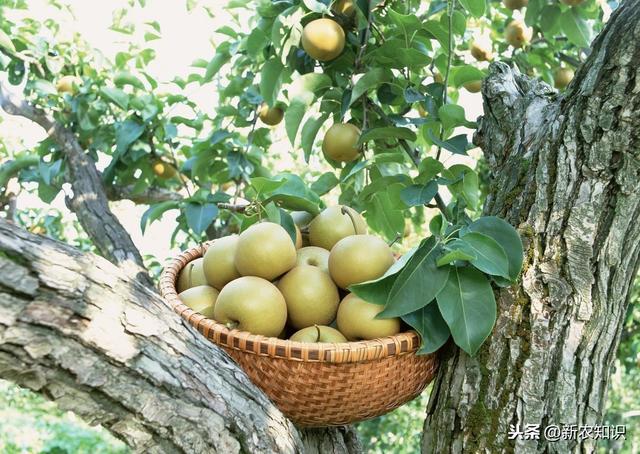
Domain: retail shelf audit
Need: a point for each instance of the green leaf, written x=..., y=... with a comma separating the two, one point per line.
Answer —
x=370, y=80
x=270, y=80
x=456, y=145
x=575, y=27
x=305, y=88
x=418, y=283
x=286, y=221
x=384, y=216
x=377, y=291
x=429, y=167
x=470, y=189
x=294, y=195
x=418, y=194
x=200, y=216
x=433, y=330
x=309, y=133
x=488, y=255
x=48, y=171
x=436, y=29
x=255, y=42
x=468, y=306
x=475, y=7
x=292, y=119
x=506, y=236
x=117, y=96
x=265, y=185
x=467, y=73
x=155, y=212
x=127, y=132
x=452, y=115
x=325, y=183
x=123, y=78
x=6, y=43
x=534, y=8
x=387, y=132
x=456, y=254
x=316, y=6
x=221, y=57
x=437, y=225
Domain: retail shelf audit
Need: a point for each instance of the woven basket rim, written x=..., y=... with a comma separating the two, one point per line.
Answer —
x=342, y=352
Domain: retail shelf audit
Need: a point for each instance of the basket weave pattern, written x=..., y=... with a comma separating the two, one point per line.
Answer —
x=316, y=384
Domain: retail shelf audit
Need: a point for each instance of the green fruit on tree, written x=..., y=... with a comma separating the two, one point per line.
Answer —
x=359, y=258
x=517, y=33
x=312, y=297
x=68, y=84
x=515, y=4
x=356, y=320
x=252, y=304
x=473, y=86
x=332, y=225
x=163, y=169
x=345, y=7
x=562, y=77
x=270, y=115
x=219, y=261
x=481, y=50
x=191, y=275
x=201, y=299
x=318, y=334
x=265, y=250
x=340, y=142
x=323, y=39
x=313, y=256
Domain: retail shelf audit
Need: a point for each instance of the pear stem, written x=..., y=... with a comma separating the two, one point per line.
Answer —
x=318, y=330
x=344, y=210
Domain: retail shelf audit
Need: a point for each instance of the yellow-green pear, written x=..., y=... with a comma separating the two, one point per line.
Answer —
x=323, y=39
x=252, y=304
x=265, y=250
x=517, y=33
x=340, y=142
x=356, y=320
x=359, y=258
x=219, y=261
x=191, y=275
x=318, y=333
x=332, y=225
x=313, y=256
x=312, y=297
x=270, y=115
x=201, y=299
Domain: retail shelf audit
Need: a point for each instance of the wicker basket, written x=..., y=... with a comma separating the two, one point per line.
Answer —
x=317, y=384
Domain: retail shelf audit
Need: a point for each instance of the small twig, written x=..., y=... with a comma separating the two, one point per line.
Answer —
x=450, y=8
x=234, y=208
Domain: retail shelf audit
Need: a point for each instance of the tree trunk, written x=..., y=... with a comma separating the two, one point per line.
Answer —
x=565, y=170
x=78, y=330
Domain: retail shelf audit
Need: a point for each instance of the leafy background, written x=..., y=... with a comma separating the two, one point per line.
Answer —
x=193, y=108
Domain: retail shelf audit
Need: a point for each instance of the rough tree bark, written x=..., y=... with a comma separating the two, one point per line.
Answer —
x=78, y=330
x=566, y=172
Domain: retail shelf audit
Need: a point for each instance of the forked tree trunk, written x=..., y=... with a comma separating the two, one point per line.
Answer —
x=566, y=172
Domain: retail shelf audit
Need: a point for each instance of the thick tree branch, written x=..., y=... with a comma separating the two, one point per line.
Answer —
x=565, y=171
x=149, y=196
x=89, y=201
x=79, y=331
